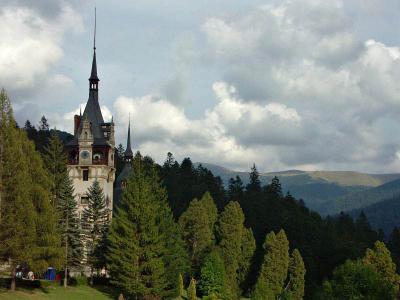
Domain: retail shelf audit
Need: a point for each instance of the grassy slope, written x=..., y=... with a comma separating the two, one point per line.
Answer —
x=56, y=292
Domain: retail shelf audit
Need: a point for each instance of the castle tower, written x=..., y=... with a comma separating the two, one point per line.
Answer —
x=91, y=152
x=123, y=176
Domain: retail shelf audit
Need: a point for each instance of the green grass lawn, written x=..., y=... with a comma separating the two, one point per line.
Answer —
x=57, y=292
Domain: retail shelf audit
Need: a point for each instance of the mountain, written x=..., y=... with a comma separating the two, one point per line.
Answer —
x=364, y=199
x=383, y=215
x=327, y=192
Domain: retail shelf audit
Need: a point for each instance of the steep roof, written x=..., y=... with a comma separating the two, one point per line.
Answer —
x=128, y=152
x=92, y=110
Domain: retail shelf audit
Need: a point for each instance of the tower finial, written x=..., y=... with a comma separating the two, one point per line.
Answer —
x=94, y=37
x=128, y=151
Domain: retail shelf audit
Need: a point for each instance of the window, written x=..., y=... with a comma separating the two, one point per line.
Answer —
x=84, y=200
x=85, y=175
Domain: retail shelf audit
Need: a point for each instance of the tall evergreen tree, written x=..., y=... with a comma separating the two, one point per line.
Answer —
x=394, y=246
x=197, y=225
x=55, y=160
x=139, y=250
x=230, y=232
x=213, y=275
x=248, y=248
x=192, y=290
x=43, y=124
x=297, y=272
x=95, y=223
x=69, y=226
x=235, y=189
x=380, y=259
x=254, y=185
x=27, y=220
x=274, y=269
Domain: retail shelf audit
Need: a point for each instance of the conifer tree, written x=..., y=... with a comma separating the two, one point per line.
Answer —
x=137, y=243
x=69, y=226
x=230, y=232
x=55, y=160
x=95, y=224
x=181, y=286
x=235, y=189
x=213, y=275
x=197, y=225
x=192, y=290
x=297, y=272
x=248, y=248
x=380, y=259
x=27, y=220
x=254, y=184
x=274, y=269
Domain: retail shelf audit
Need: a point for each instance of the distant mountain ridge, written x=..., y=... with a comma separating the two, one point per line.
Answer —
x=327, y=192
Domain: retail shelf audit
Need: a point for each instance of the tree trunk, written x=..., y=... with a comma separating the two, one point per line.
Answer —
x=66, y=253
x=13, y=280
x=91, y=276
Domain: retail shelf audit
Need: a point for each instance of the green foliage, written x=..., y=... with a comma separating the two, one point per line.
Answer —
x=191, y=291
x=212, y=277
x=181, y=286
x=27, y=220
x=55, y=160
x=69, y=224
x=230, y=232
x=357, y=280
x=297, y=272
x=184, y=182
x=274, y=269
x=95, y=222
x=197, y=225
x=380, y=259
x=248, y=248
x=139, y=250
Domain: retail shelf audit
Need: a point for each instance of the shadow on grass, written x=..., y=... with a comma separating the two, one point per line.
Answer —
x=109, y=290
x=27, y=286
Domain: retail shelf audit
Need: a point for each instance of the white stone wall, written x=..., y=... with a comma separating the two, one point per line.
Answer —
x=105, y=175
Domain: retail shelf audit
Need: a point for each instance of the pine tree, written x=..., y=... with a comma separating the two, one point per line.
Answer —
x=192, y=290
x=230, y=232
x=394, y=246
x=181, y=286
x=43, y=124
x=274, y=269
x=69, y=226
x=275, y=188
x=297, y=272
x=138, y=238
x=254, y=186
x=248, y=248
x=55, y=160
x=213, y=275
x=235, y=189
x=380, y=259
x=27, y=220
x=197, y=225
x=95, y=223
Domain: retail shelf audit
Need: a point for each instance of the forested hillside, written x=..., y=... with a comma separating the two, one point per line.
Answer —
x=203, y=227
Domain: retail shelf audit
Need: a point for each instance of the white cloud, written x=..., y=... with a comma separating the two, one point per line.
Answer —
x=31, y=44
x=232, y=132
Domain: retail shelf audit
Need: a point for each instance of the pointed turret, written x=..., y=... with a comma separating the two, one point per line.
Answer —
x=94, y=80
x=128, y=155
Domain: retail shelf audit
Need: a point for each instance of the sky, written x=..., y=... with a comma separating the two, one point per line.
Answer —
x=289, y=84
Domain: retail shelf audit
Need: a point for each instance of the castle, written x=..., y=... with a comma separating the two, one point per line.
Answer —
x=91, y=153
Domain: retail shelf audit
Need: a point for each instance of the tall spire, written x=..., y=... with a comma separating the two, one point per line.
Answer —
x=128, y=151
x=94, y=80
